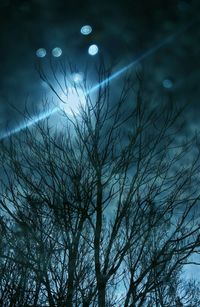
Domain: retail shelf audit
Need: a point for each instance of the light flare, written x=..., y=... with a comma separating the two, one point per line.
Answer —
x=104, y=82
x=29, y=123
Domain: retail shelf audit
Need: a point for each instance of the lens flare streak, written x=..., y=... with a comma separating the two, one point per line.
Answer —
x=29, y=123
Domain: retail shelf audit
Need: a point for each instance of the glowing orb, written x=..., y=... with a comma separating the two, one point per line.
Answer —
x=41, y=53
x=93, y=50
x=77, y=77
x=167, y=83
x=86, y=30
x=56, y=52
x=74, y=99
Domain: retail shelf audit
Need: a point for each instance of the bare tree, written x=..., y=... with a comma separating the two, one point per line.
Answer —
x=106, y=210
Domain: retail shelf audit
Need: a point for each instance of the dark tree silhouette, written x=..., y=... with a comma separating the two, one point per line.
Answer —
x=104, y=212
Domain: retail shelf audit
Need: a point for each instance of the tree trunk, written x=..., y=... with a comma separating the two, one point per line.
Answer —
x=50, y=297
x=101, y=295
x=37, y=291
x=101, y=284
x=72, y=264
x=70, y=286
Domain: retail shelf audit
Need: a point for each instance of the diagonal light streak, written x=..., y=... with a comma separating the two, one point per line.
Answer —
x=29, y=123
x=115, y=75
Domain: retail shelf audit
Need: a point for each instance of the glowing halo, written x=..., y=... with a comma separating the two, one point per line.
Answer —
x=74, y=99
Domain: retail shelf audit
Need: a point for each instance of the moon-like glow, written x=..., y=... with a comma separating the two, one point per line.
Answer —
x=73, y=100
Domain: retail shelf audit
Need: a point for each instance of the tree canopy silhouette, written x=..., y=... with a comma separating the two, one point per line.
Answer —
x=103, y=212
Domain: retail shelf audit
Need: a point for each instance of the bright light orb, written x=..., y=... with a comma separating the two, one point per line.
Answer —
x=167, y=83
x=86, y=30
x=41, y=53
x=56, y=52
x=74, y=99
x=93, y=50
x=77, y=77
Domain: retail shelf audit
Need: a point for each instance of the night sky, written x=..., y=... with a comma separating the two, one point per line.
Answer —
x=123, y=30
